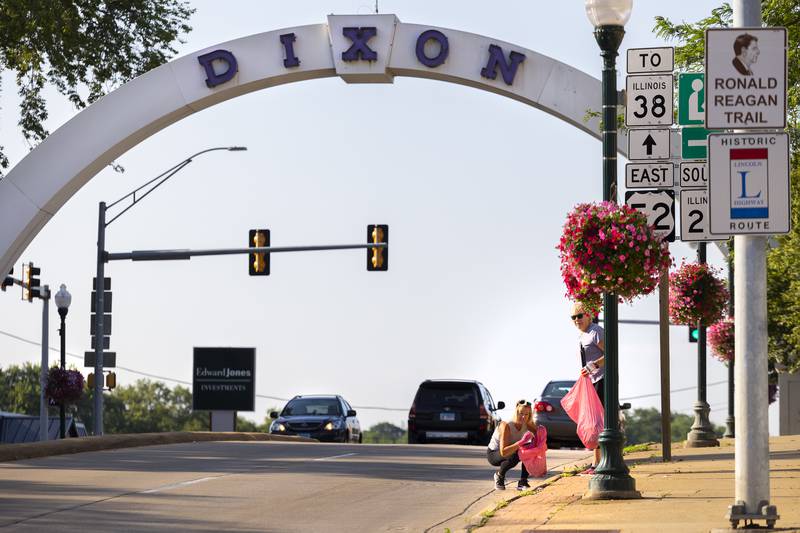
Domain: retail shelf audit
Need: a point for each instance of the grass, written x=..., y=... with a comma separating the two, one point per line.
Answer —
x=635, y=448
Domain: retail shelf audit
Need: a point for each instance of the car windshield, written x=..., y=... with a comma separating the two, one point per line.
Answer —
x=434, y=397
x=312, y=406
x=557, y=389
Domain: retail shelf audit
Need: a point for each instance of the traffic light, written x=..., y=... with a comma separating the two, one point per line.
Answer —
x=694, y=333
x=111, y=380
x=378, y=258
x=7, y=280
x=30, y=283
x=258, y=263
x=90, y=380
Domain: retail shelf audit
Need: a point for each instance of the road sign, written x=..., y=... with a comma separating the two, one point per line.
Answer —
x=642, y=60
x=694, y=143
x=649, y=175
x=691, y=99
x=746, y=78
x=659, y=206
x=694, y=174
x=748, y=183
x=694, y=216
x=648, y=100
x=648, y=144
x=109, y=359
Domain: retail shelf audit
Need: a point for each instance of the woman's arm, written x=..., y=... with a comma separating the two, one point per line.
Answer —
x=506, y=448
x=531, y=424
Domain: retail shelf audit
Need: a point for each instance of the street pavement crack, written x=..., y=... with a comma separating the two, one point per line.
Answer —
x=470, y=504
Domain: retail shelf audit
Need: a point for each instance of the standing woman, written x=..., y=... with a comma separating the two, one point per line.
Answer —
x=506, y=441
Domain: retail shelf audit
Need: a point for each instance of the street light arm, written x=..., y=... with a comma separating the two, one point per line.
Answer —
x=164, y=176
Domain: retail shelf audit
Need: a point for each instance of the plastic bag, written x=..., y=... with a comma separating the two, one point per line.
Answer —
x=532, y=454
x=583, y=406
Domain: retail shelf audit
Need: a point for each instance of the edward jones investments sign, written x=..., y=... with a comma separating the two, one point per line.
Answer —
x=224, y=379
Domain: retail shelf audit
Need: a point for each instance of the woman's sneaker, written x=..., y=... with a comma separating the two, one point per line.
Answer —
x=522, y=484
x=499, y=482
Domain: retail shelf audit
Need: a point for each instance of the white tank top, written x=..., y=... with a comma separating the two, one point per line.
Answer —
x=512, y=431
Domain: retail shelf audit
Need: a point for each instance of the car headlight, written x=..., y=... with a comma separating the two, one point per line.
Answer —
x=333, y=424
x=277, y=426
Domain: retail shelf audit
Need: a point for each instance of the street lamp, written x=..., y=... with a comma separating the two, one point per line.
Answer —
x=102, y=259
x=612, y=478
x=63, y=298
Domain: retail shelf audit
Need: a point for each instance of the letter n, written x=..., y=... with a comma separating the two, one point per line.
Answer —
x=212, y=78
x=497, y=58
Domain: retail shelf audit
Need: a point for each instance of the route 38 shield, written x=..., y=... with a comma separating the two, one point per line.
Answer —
x=659, y=206
x=648, y=100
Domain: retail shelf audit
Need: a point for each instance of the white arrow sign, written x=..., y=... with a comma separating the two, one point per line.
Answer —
x=648, y=144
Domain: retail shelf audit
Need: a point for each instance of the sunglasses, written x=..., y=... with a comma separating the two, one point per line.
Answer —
x=578, y=316
x=523, y=402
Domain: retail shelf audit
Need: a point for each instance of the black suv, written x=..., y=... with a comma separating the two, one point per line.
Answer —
x=452, y=411
x=325, y=418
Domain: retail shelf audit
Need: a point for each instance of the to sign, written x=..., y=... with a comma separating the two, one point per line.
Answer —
x=648, y=100
x=649, y=175
x=746, y=78
x=659, y=206
x=748, y=183
x=642, y=60
x=648, y=144
x=694, y=216
x=691, y=99
x=694, y=174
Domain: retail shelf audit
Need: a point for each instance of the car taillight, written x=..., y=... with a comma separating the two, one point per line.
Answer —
x=542, y=407
x=412, y=413
x=484, y=415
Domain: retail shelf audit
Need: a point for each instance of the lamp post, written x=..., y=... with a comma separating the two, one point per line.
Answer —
x=63, y=298
x=612, y=478
x=102, y=259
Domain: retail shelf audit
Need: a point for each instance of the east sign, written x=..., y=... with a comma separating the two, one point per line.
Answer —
x=746, y=78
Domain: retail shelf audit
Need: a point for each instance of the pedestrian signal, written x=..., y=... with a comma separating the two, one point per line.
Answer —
x=259, y=261
x=30, y=283
x=111, y=380
x=90, y=380
x=694, y=333
x=378, y=258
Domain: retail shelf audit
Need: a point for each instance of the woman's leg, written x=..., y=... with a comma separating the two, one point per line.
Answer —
x=600, y=387
x=505, y=463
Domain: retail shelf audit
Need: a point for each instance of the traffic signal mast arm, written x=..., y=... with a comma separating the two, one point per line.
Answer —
x=166, y=255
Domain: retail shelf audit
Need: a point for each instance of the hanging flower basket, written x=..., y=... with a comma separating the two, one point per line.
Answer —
x=610, y=248
x=721, y=339
x=64, y=386
x=696, y=295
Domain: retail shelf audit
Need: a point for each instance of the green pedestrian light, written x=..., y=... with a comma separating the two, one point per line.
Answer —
x=694, y=333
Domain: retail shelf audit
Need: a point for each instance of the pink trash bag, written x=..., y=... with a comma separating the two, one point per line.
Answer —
x=532, y=454
x=583, y=406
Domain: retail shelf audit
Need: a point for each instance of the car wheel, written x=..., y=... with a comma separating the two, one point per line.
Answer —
x=413, y=438
x=360, y=438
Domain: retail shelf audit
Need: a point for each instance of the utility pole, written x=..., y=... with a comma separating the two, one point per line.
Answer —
x=750, y=375
x=44, y=419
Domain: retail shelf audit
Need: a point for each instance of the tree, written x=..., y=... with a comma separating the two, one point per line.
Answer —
x=783, y=261
x=19, y=389
x=644, y=425
x=385, y=433
x=84, y=48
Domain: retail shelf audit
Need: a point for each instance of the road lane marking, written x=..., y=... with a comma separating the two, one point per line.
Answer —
x=181, y=484
x=335, y=457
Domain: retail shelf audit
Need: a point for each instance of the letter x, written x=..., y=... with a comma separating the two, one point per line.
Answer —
x=359, y=37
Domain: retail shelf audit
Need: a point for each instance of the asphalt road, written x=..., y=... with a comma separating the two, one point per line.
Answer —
x=253, y=486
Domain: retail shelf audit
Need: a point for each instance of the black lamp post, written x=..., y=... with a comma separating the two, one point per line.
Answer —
x=612, y=478
x=63, y=298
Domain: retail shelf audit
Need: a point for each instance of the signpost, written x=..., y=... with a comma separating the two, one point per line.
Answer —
x=749, y=183
x=648, y=144
x=649, y=175
x=659, y=206
x=649, y=100
x=746, y=74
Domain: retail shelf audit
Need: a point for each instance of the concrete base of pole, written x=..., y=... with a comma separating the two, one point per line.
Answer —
x=730, y=428
x=612, y=495
x=702, y=434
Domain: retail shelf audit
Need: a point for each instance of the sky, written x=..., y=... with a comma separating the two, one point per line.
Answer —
x=475, y=188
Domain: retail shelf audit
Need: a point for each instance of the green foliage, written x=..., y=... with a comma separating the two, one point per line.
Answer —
x=385, y=433
x=82, y=46
x=635, y=448
x=783, y=261
x=248, y=426
x=644, y=425
x=19, y=389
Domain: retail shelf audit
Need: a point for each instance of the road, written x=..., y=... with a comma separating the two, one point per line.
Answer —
x=253, y=486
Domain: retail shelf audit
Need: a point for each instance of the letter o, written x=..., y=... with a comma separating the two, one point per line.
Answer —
x=437, y=36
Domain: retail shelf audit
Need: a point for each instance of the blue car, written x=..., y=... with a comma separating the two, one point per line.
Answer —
x=327, y=418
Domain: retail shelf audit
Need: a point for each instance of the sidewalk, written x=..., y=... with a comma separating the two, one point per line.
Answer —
x=689, y=494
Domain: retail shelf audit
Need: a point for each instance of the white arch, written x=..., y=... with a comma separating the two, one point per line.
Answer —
x=48, y=176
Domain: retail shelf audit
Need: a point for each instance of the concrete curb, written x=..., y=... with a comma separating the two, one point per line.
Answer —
x=17, y=452
x=479, y=520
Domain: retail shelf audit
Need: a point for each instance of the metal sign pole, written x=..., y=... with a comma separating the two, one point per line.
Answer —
x=44, y=419
x=99, y=327
x=663, y=334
